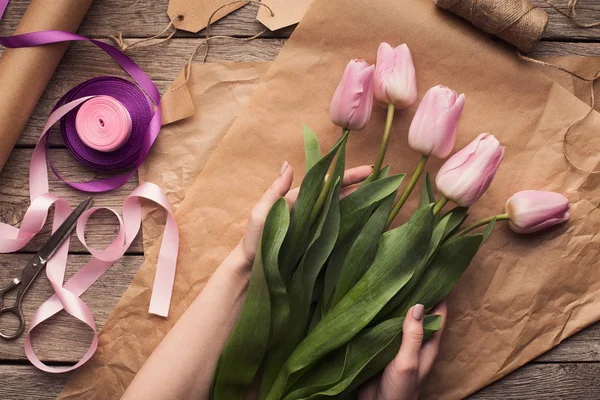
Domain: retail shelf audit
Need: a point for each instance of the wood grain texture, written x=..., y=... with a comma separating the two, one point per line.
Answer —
x=162, y=63
x=538, y=381
x=139, y=18
x=63, y=338
x=14, y=199
x=568, y=371
x=143, y=18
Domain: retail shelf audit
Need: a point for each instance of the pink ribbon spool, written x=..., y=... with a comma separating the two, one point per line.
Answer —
x=103, y=123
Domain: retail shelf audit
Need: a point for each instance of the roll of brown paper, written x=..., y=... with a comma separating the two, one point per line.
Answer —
x=25, y=73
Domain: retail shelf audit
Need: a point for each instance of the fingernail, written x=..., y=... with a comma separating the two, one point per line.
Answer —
x=283, y=168
x=418, y=312
x=373, y=166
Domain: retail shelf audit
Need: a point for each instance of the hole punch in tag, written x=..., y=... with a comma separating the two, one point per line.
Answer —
x=285, y=13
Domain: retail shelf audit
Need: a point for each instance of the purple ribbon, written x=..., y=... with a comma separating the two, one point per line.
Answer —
x=150, y=125
x=136, y=103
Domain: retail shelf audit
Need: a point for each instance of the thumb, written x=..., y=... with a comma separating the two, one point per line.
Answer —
x=412, y=335
x=400, y=380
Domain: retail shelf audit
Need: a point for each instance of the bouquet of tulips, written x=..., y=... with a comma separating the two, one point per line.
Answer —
x=330, y=284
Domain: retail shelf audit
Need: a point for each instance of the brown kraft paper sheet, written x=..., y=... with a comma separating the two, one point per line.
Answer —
x=520, y=296
x=32, y=68
x=217, y=93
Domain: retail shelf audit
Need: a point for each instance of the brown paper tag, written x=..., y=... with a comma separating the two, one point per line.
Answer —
x=285, y=13
x=176, y=103
x=193, y=15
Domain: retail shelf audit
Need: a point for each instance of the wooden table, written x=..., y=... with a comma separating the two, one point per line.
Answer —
x=571, y=370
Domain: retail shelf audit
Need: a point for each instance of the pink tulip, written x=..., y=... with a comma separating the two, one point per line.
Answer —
x=395, y=81
x=467, y=174
x=433, y=129
x=353, y=99
x=533, y=210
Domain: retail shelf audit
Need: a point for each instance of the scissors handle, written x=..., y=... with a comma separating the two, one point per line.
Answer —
x=16, y=311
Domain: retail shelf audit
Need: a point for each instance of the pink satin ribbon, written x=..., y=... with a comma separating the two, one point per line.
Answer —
x=103, y=123
x=13, y=239
x=67, y=295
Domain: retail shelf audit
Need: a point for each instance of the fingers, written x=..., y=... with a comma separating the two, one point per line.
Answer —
x=431, y=348
x=258, y=214
x=412, y=340
x=356, y=175
x=352, y=176
x=400, y=380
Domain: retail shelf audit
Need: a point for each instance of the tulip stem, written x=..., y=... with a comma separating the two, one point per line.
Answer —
x=384, y=141
x=485, y=221
x=411, y=185
x=439, y=205
x=327, y=185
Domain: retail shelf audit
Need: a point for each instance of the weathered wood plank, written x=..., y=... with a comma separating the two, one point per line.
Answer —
x=561, y=28
x=536, y=381
x=63, y=338
x=14, y=198
x=147, y=18
x=546, y=381
x=136, y=18
x=166, y=60
x=163, y=63
x=543, y=49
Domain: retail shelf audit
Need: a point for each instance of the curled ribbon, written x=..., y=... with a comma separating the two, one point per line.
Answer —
x=146, y=128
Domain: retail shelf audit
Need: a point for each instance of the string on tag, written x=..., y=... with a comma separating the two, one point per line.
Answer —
x=592, y=82
x=118, y=39
x=208, y=38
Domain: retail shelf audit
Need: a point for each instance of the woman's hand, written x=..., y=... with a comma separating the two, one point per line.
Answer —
x=281, y=188
x=403, y=377
x=187, y=357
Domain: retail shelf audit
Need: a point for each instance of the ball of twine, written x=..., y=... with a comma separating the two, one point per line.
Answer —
x=518, y=22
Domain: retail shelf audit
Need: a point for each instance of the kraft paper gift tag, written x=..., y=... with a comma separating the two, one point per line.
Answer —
x=193, y=15
x=200, y=112
x=521, y=296
x=285, y=13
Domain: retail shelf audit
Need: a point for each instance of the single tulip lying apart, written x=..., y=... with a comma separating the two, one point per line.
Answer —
x=331, y=284
x=533, y=210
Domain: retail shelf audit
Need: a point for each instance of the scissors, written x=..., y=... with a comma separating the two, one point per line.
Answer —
x=33, y=268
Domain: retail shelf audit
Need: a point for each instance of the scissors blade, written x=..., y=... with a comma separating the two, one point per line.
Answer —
x=63, y=232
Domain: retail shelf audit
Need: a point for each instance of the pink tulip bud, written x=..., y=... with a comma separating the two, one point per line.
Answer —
x=467, y=174
x=433, y=129
x=395, y=81
x=352, y=101
x=533, y=210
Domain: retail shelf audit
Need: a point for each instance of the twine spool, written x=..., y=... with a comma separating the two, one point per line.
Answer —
x=517, y=22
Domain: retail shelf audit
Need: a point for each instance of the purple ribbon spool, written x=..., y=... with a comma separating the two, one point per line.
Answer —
x=133, y=99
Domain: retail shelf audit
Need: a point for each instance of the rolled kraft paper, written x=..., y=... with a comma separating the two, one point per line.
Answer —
x=25, y=73
x=517, y=22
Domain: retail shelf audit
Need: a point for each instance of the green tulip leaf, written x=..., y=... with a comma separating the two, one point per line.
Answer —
x=383, y=173
x=248, y=343
x=337, y=372
x=298, y=238
x=399, y=253
x=302, y=285
x=363, y=250
x=458, y=215
x=436, y=240
x=312, y=149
